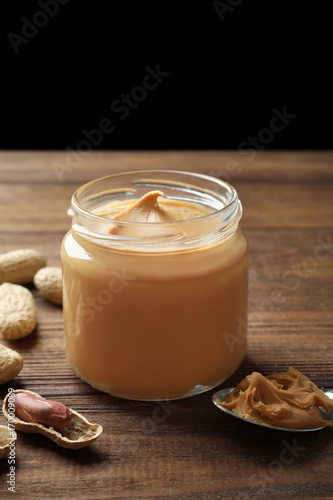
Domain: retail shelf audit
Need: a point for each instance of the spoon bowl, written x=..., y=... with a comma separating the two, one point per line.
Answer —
x=219, y=398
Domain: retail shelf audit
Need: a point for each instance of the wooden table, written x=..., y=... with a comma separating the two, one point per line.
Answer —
x=186, y=448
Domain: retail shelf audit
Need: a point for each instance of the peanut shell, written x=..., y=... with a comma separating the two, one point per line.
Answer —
x=48, y=281
x=17, y=311
x=20, y=266
x=77, y=433
x=11, y=363
x=7, y=438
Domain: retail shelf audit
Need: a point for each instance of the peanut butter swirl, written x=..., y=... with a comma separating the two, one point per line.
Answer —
x=148, y=209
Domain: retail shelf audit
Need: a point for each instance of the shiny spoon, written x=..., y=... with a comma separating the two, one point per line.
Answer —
x=219, y=398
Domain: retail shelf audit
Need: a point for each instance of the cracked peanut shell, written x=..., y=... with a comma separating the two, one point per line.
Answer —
x=79, y=432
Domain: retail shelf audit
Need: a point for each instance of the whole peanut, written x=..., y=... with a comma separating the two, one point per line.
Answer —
x=20, y=266
x=7, y=438
x=17, y=311
x=41, y=411
x=11, y=363
x=48, y=281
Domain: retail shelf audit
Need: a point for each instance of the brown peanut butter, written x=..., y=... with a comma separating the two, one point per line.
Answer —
x=148, y=323
x=149, y=209
x=146, y=209
x=287, y=399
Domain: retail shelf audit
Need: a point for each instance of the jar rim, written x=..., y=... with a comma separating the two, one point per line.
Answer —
x=226, y=217
x=75, y=202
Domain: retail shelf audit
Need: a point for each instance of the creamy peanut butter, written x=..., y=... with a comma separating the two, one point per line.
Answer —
x=146, y=209
x=149, y=209
x=287, y=399
x=148, y=322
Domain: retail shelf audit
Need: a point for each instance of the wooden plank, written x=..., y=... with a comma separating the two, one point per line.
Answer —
x=232, y=166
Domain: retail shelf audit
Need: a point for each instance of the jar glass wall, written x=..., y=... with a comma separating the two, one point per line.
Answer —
x=155, y=311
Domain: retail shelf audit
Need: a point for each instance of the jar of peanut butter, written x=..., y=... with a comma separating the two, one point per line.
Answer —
x=155, y=272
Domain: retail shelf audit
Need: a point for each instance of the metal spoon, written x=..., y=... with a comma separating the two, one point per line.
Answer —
x=219, y=398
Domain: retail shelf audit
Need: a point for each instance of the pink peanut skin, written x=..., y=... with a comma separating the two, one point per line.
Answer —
x=41, y=411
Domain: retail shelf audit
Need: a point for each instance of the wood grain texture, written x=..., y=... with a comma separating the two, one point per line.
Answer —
x=188, y=448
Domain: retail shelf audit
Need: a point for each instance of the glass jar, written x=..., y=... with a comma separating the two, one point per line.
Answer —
x=160, y=313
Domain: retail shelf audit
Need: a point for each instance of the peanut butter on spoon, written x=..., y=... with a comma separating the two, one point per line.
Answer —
x=287, y=399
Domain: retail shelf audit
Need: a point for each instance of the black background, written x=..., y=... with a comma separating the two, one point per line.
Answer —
x=227, y=72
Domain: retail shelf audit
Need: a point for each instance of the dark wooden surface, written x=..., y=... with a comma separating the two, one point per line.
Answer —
x=187, y=448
